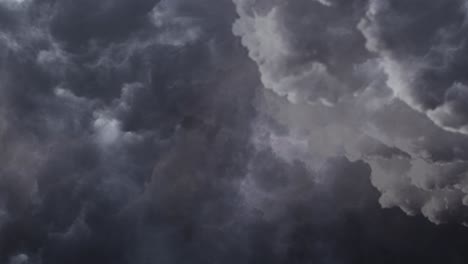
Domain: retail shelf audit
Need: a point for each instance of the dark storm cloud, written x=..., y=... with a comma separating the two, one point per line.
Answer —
x=93, y=96
x=77, y=23
x=139, y=132
x=8, y=20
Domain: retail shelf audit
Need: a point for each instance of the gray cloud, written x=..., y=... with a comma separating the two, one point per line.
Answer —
x=394, y=106
x=311, y=67
x=139, y=132
x=422, y=54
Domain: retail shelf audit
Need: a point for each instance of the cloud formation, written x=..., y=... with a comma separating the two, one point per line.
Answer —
x=380, y=81
x=140, y=131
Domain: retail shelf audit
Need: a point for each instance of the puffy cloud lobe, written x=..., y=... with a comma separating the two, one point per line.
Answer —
x=298, y=47
x=415, y=55
x=423, y=54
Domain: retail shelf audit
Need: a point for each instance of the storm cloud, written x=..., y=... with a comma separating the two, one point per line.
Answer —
x=233, y=131
x=379, y=81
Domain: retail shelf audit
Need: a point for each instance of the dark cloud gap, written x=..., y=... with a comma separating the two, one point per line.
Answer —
x=8, y=20
x=78, y=23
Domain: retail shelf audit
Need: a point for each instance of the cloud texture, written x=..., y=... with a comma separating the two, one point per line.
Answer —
x=244, y=131
x=381, y=81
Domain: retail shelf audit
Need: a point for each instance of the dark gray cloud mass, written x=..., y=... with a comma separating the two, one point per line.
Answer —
x=233, y=131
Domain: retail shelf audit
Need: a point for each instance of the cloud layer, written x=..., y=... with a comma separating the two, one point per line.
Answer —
x=141, y=131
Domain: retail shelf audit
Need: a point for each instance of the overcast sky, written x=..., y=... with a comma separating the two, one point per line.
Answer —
x=233, y=131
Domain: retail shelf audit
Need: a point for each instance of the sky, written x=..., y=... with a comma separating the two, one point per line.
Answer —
x=233, y=131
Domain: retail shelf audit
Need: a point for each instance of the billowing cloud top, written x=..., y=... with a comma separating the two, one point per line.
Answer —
x=382, y=81
x=233, y=131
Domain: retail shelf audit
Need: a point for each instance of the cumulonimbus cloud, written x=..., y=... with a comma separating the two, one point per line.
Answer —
x=382, y=81
x=137, y=131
